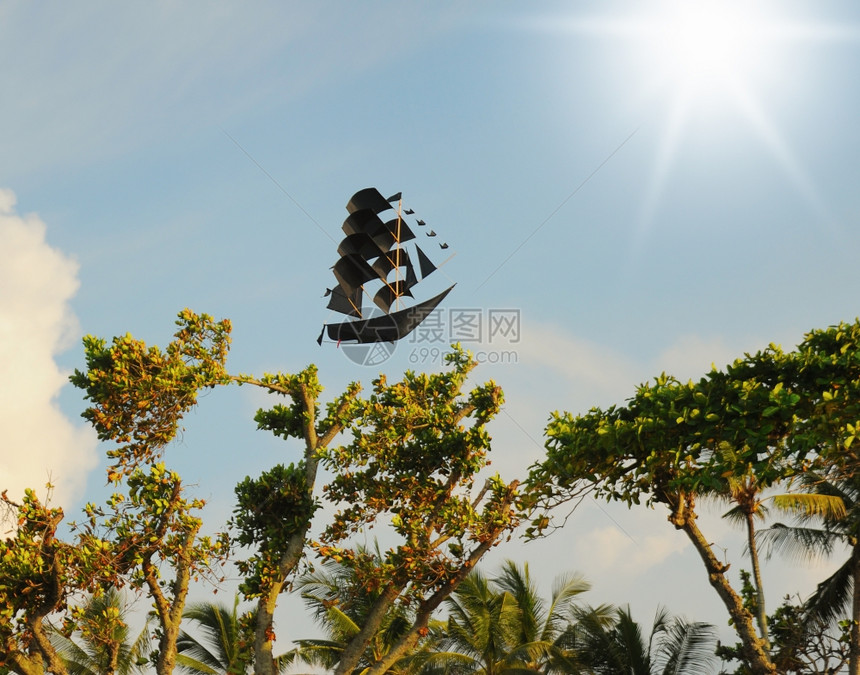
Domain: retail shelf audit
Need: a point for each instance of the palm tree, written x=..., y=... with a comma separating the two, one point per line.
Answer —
x=339, y=605
x=828, y=518
x=228, y=642
x=503, y=626
x=103, y=647
x=223, y=651
x=674, y=646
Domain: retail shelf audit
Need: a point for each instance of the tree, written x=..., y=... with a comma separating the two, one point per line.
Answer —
x=273, y=512
x=673, y=647
x=156, y=547
x=228, y=645
x=138, y=396
x=131, y=541
x=675, y=443
x=766, y=418
x=340, y=605
x=822, y=527
x=38, y=573
x=502, y=625
x=416, y=450
x=800, y=645
x=103, y=646
x=829, y=371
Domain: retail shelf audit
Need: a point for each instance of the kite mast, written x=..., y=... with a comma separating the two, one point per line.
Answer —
x=366, y=255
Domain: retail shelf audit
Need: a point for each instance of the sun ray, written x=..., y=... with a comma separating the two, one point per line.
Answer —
x=702, y=62
x=780, y=150
x=670, y=139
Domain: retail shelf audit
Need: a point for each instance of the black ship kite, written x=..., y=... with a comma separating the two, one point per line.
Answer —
x=373, y=255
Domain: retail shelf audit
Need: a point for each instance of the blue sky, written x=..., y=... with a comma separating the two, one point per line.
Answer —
x=644, y=205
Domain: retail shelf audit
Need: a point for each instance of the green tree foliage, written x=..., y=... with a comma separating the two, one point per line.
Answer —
x=502, y=625
x=340, y=605
x=139, y=394
x=619, y=645
x=416, y=450
x=273, y=512
x=97, y=641
x=736, y=432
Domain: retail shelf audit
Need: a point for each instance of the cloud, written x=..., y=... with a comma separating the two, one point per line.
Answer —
x=603, y=375
x=39, y=442
x=175, y=68
x=615, y=553
x=691, y=356
x=568, y=372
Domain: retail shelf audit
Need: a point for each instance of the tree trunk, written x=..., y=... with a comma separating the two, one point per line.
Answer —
x=21, y=661
x=264, y=635
x=754, y=649
x=170, y=611
x=854, y=653
x=761, y=613
x=53, y=663
x=264, y=660
x=351, y=655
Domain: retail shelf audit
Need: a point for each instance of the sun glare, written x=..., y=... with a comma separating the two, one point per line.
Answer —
x=708, y=50
x=706, y=45
x=707, y=70
x=705, y=65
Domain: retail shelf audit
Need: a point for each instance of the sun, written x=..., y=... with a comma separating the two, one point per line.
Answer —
x=714, y=51
x=705, y=67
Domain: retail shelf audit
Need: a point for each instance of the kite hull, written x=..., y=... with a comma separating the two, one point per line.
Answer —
x=385, y=328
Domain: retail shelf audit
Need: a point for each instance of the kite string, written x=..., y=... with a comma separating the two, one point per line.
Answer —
x=279, y=186
x=558, y=208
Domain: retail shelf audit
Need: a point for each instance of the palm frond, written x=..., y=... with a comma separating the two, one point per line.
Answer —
x=686, y=649
x=340, y=625
x=832, y=599
x=827, y=506
x=517, y=582
x=77, y=660
x=804, y=544
x=449, y=662
x=595, y=644
x=196, y=657
x=628, y=635
x=218, y=624
x=191, y=665
x=102, y=630
x=324, y=653
x=737, y=516
x=565, y=592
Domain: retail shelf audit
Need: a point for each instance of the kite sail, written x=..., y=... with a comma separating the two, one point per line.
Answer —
x=373, y=254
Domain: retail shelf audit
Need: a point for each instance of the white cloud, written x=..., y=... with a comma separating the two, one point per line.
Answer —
x=616, y=554
x=575, y=374
x=174, y=68
x=691, y=356
x=599, y=375
x=39, y=442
